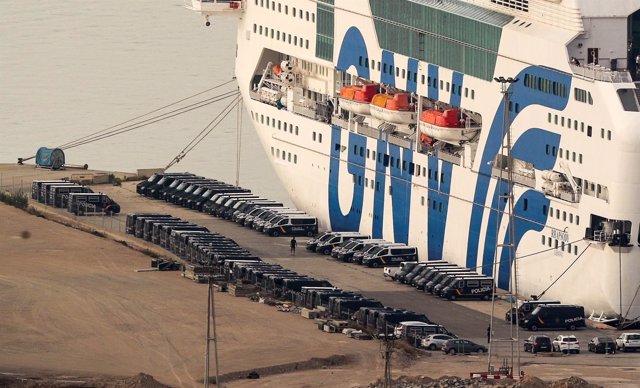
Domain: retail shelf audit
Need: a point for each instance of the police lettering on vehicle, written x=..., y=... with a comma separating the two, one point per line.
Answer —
x=481, y=289
x=576, y=319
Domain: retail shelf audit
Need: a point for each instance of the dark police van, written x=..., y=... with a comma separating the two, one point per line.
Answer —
x=293, y=225
x=58, y=195
x=469, y=288
x=554, y=316
x=83, y=203
x=524, y=309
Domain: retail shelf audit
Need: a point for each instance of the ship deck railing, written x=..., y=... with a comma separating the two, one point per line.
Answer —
x=600, y=73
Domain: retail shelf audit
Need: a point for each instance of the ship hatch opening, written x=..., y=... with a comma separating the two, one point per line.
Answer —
x=611, y=231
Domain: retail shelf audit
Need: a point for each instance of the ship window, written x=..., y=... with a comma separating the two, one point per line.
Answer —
x=404, y=165
x=517, y=108
x=558, y=213
x=272, y=150
x=300, y=14
x=608, y=135
x=543, y=239
x=577, y=220
x=307, y=15
x=295, y=159
x=422, y=79
x=295, y=40
x=390, y=190
x=580, y=158
x=262, y=119
x=562, y=121
x=255, y=28
x=568, y=123
x=573, y=156
x=556, y=244
x=575, y=125
x=289, y=157
x=575, y=250
x=441, y=84
x=555, y=119
x=429, y=173
x=355, y=147
x=440, y=207
x=424, y=171
x=278, y=35
x=525, y=204
x=278, y=153
x=377, y=186
x=286, y=9
x=564, y=216
x=581, y=127
x=404, y=73
x=279, y=7
x=397, y=163
x=378, y=66
x=560, y=152
x=412, y=169
x=293, y=11
x=392, y=160
x=384, y=67
x=368, y=153
x=366, y=182
x=553, y=151
x=571, y=218
x=361, y=148
x=589, y=130
x=422, y=201
x=448, y=86
x=397, y=71
x=434, y=204
x=466, y=92
x=435, y=82
x=549, y=242
x=386, y=160
x=544, y=209
x=337, y=147
x=473, y=94
x=289, y=38
x=602, y=133
x=373, y=155
x=313, y=17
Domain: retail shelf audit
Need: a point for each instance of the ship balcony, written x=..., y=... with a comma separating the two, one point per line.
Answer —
x=599, y=73
x=217, y=7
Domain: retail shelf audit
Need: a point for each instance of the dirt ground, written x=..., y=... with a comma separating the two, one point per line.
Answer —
x=71, y=303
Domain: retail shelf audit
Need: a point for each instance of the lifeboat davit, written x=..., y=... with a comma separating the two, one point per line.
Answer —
x=356, y=98
x=393, y=108
x=449, y=126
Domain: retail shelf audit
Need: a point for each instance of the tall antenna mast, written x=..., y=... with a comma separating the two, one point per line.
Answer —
x=505, y=161
x=211, y=321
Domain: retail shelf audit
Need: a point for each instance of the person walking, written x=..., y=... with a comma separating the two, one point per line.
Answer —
x=293, y=244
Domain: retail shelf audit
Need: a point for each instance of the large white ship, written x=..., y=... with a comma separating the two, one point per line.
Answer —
x=389, y=117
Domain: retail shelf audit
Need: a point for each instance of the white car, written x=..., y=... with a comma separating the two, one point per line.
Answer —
x=434, y=341
x=628, y=341
x=566, y=344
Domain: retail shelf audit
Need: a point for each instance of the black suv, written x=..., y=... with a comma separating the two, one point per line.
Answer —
x=537, y=343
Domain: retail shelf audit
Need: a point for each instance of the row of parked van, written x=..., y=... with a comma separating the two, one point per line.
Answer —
x=231, y=202
x=189, y=241
x=365, y=313
x=444, y=279
x=77, y=199
x=361, y=249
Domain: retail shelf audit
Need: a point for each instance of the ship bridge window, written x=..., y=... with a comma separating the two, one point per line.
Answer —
x=629, y=100
x=582, y=96
x=520, y=5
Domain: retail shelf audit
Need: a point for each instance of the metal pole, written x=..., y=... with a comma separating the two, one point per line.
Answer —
x=238, y=140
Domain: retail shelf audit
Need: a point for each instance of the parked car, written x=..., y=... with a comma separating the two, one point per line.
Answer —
x=435, y=341
x=566, y=344
x=454, y=346
x=628, y=341
x=602, y=345
x=537, y=343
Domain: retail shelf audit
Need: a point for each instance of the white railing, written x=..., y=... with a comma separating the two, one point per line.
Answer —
x=599, y=73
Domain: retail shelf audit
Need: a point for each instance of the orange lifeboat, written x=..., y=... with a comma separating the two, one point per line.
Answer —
x=356, y=98
x=450, y=126
x=393, y=108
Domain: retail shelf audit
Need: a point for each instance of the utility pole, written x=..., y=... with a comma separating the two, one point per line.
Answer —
x=238, y=140
x=386, y=354
x=509, y=246
x=211, y=321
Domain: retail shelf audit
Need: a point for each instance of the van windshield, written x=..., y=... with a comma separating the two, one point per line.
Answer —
x=375, y=250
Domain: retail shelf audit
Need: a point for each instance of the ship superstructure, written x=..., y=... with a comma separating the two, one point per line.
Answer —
x=387, y=117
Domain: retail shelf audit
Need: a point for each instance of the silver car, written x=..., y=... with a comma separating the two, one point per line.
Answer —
x=435, y=341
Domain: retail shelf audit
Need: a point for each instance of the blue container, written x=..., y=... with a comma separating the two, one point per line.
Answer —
x=52, y=158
